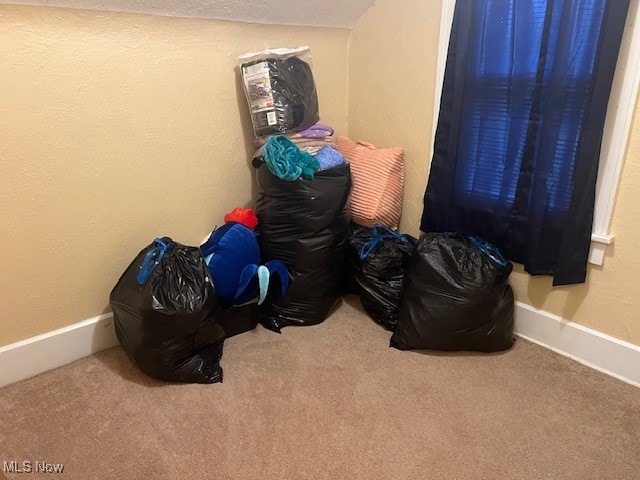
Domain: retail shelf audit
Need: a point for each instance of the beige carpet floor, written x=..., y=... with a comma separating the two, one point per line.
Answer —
x=329, y=402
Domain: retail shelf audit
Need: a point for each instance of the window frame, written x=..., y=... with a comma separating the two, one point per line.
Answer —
x=617, y=127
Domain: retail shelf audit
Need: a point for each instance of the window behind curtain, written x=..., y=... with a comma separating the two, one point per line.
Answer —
x=497, y=111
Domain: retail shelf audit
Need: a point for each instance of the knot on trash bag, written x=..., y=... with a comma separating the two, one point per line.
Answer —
x=151, y=260
x=380, y=233
x=489, y=250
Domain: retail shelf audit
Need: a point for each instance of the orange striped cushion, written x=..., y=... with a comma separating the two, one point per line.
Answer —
x=378, y=182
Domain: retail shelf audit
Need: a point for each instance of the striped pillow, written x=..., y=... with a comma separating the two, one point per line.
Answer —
x=378, y=182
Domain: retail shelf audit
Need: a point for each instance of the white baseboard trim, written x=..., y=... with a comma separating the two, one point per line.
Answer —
x=594, y=349
x=599, y=351
x=35, y=355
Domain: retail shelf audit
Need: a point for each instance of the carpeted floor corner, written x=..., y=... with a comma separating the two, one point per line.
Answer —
x=329, y=402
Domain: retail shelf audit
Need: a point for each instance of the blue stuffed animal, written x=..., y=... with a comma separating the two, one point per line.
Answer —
x=232, y=256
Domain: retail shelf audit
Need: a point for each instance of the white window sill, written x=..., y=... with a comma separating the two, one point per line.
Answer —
x=599, y=243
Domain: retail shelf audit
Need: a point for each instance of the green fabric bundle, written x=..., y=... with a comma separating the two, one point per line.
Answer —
x=286, y=161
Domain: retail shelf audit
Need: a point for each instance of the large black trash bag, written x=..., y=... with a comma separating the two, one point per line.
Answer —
x=167, y=314
x=305, y=223
x=456, y=297
x=378, y=262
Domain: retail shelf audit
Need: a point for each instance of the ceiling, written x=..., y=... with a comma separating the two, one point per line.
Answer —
x=326, y=13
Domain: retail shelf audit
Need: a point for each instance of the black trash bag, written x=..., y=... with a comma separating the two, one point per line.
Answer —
x=305, y=223
x=167, y=314
x=378, y=262
x=240, y=318
x=456, y=297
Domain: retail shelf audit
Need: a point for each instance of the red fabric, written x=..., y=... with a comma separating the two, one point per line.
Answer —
x=245, y=216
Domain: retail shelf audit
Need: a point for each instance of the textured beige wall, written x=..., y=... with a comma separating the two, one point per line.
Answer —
x=115, y=129
x=392, y=64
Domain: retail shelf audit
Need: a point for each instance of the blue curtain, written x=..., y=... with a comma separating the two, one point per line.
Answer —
x=521, y=117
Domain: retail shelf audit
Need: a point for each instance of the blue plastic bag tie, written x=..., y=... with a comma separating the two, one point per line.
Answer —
x=370, y=245
x=151, y=260
x=489, y=250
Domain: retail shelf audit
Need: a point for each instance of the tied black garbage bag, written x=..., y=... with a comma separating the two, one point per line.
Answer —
x=378, y=262
x=166, y=314
x=305, y=223
x=456, y=297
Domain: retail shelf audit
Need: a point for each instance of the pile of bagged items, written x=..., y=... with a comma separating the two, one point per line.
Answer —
x=310, y=186
x=448, y=291
x=326, y=221
x=175, y=305
x=304, y=185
